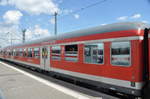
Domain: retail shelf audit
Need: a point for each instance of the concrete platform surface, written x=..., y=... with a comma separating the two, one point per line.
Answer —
x=16, y=85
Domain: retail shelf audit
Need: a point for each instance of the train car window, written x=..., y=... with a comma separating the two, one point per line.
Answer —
x=17, y=52
x=0, y=52
x=8, y=52
x=120, y=53
x=94, y=53
x=21, y=52
x=56, y=52
x=3, y=52
x=71, y=53
x=24, y=52
x=37, y=52
x=29, y=52
x=14, y=53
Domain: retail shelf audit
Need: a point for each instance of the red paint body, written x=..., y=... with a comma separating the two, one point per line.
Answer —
x=132, y=73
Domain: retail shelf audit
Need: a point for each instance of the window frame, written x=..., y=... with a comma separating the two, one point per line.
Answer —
x=20, y=51
x=17, y=52
x=67, y=55
x=92, y=54
x=14, y=50
x=24, y=52
x=129, y=51
x=33, y=54
x=52, y=49
x=58, y=55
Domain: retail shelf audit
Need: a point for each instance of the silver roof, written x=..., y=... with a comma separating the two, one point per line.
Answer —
x=89, y=31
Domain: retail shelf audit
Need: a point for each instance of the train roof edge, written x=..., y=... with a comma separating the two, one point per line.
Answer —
x=94, y=30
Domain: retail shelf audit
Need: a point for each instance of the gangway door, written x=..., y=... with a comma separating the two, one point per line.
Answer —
x=146, y=57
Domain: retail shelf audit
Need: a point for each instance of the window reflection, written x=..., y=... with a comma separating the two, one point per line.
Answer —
x=120, y=53
x=56, y=52
x=94, y=53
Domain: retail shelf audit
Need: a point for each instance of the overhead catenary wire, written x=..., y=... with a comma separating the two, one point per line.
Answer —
x=10, y=40
x=83, y=8
x=72, y=12
x=75, y=11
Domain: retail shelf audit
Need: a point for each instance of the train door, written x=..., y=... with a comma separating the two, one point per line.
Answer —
x=45, y=58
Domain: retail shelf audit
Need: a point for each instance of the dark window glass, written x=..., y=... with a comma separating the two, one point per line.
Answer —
x=1, y=52
x=8, y=52
x=29, y=52
x=11, y=52
x=21, y=52
x=71, y=52
x=56, y=52
x=37, y=52
x=71, y=49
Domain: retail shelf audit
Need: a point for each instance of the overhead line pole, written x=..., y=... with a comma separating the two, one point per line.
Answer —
x=10, y=37
x=55, y=27
x=23, y=35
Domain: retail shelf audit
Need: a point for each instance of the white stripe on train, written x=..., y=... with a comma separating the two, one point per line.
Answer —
x=111, y=81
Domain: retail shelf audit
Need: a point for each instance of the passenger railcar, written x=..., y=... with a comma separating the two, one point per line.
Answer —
x=112, y=56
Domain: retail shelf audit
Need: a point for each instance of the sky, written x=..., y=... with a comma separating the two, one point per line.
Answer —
x=37, y=16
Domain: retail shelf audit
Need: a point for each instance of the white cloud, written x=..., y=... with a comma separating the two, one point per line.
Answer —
x=136, y=16
x=144, y=21
x=52, y=21
x=36, y=33
x=33, y=6
x=122, y=18
x=76, y=16
x=8, y=32
x=103, y=24
x=13, y=30
x=12, y=17
x=66, y=11
x=9, y=28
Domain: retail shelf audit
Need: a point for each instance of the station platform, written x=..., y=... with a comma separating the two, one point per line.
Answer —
x=19, y=84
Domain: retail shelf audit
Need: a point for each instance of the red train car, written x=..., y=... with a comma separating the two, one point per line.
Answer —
x=113, y=57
